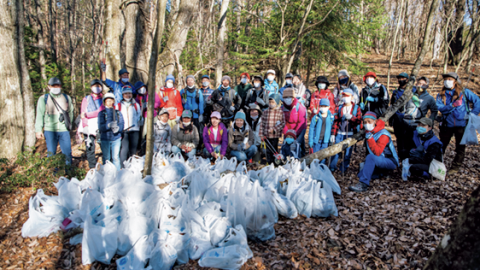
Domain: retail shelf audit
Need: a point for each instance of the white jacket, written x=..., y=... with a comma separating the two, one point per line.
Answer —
x=132, y=114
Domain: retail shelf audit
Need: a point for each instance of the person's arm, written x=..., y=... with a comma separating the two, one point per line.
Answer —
x=279, y=128
x=336, y=124
x=444, y=109
x=432, y=106
x=39, y=118
x=201, y=104
x=178, y=103
x=231, y=141
x=474, y=99
x=175, y=140
x=93, y=114
x=70, y=109
x=378, y=146
x=357, y=119
x=238, y=101
x=206, y=140
x=224, y=142
x=311, y=132
x=121, y=122
x=333, y=107
x=196, y=138
x=385, y=98
x=102, y=122
x=433, y=150
x=262, y=128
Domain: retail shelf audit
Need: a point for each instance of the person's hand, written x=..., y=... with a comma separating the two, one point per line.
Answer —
x=112, y=124
x=103, y=67
x=232, y=108
x=165, y=98
x=39, y=135
x=332, y=138
x=115, y=129
x=362, y=106
x=368, y=135
x=82, y=115
x=183, y=147
x=200, y=118
x=246, y=146
x=315, y=111
x=189, y=149
x=348, y=116
x=370, y=99
x=457, y=103
x=214, y=155
x=271, y=130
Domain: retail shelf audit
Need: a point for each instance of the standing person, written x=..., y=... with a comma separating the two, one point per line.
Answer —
x=192, y=100
x=381, y=156
x=171, y=100
x=215, y=137
x=288, y=84
x=270, y=84
x=396, y=121
x=91, y=105
x=243, y=88
x=225, y=101
x=116, y=86
x=257, y=95
x=162, y=133
x=348, y=121
x=344, y=82
x=132, y=117
x=254, y=121
x=111, y=125
x=207, y=109
x=301, y=91
x=142, y=100
x=295, y=117
x=273, y=122
x=453, y=102
x=322, y=93
x=321, y=128
x=374, y=96
x=241, y=140
x=185, y=136
x=51, y=121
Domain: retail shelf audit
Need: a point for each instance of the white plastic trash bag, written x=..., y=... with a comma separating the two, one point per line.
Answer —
x=323, y=201
x=99, y=243
x=322, y=172
x=163, y=257
x=38, y=223
x=261, y=217
x=137, y=257
x=285, y=207
x=235, y=236
x=438, y=170
x=69, y=193
x=229, y=257
x=470, y=134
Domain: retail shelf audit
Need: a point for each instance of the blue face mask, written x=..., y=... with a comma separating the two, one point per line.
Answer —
x=421, y=130
x=289, y=140
x=244, y=80
x=343, y=81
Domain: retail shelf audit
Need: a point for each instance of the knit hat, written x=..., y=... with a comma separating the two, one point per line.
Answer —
x=369, y=74
x=54, y=81
x=163, y=111
x=271, y=71
x=108, y=95
x=324, y=102
x=122, y=71
x=425, y=79
x=170, y=77
x=370, y=115
x=275, y=97
x=343, y=72
x=216, y=115
x=126, y=89
x=240, y=115
x=289, y=75
x=190, y=76
x=226, y=78
x=259, y=77
x=403, y=75
x=426, y=121
x=348, y=91
x=95, y=81
x=292, y=133
x=246, y=75
x=206, y=76
x=322, y=79
x=452, y=75
x=289, y=92
x=187, y=114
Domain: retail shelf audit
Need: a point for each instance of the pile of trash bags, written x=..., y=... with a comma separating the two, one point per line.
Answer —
x=185, y=210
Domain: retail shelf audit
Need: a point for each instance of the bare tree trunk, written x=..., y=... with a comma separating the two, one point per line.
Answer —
x=41, y=43
x=53, y=29
x=221, y=41
x=399, y=19
x=111, y=35
x=72, y=36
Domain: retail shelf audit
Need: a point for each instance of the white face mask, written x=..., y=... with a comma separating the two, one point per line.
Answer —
x=288, y=101
x=254, y=117
x=125, y=80
x=448, y=84
x=96, y=89
x=186, y=124
x=257, y=84
x=55, y=90
x=272, y=106
x=127, y=99
x=169, y=85
x=369, y=127
x=347, y=99
x=142, y=91
x=244, y=80
x=288, y=81
x=370, y=81
x=190, y=87
x=270, y=78
x=324, y=110
x=205, y=84
x=322, y=85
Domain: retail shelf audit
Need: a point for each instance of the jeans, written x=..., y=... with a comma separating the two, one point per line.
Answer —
x=319, y=146
x=129, y=145
x=190, y=155
x=90, y=150
x=301, y=141
x=373, y=162
x=244, y=155
x=215, y=149
x=53, y=138
x=346, y=159
x=111, y=152
x=446, y=134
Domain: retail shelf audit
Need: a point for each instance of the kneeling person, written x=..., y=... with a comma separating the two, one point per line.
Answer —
x=241, y=139
x=185, y=136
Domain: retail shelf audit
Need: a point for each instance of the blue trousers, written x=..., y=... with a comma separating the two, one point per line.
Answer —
x=190, y=154
x=373, y=162
x=111, y=151
x=53, y=138
x=319, y=146
x=348, y=154
x=215, y=149
x=301, y=141
x=244, y=155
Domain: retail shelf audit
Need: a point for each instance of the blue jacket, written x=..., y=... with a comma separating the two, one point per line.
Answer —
x=457, y=116
x=272, y=88
x=316, y=129
x=117, y=89
x=191, y=101
x=104, y=118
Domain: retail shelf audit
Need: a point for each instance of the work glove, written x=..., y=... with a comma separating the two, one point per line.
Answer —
x=165, y=99
x=362, y=106
x=332, y=138
x=368, y=135
x=315, y=111
x=348, y=116
x=200, y=119
x=103, y=67
x=88, y=142
x=115, y=129
x=232, y=108
x=370, y=99
x=112, y=124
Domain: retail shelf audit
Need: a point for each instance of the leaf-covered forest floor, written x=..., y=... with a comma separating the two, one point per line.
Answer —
x=395, y=225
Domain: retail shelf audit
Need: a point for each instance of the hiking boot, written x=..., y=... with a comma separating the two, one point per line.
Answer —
x=359, y=187
x=453, y=170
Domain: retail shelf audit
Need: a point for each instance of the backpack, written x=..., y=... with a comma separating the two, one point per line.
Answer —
x=119, y=105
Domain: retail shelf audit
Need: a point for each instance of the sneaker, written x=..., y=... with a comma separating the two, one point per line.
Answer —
x=360, y=187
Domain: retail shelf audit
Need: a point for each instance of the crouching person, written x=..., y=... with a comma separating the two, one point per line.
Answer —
x=185, y=136
x=215, y=137
x=291, y=147
x=241, y=139
x=111, y=125
x=162, y=133
x=381, y=155
x=427, y=147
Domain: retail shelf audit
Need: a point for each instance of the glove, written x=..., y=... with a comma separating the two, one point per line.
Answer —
x=457, y=103
x=112, y=124
x=370, y=99
x=232, y=108
x=200, y=119
x=115, y=129
x=332, y=138
x=368, y=135
x=103, y=67
x=315, y=111
x=177, y=119
x=362, y=106
x=260, y=101
x=79, y=138
x=348, y=116
x=165, y=99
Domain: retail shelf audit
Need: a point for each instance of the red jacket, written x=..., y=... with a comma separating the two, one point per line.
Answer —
x=173, y=104
x=378, y=146
x=317, y=96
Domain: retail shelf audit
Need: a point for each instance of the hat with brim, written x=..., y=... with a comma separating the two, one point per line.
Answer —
x=426, y=121
x=452, y=75
x=254, y=106
x=216, y=115
x=107, y=96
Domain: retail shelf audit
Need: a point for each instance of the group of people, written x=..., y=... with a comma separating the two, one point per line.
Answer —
x=249, y=120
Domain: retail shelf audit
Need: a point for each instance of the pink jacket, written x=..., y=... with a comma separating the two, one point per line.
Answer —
x=295, y=117
x=142, y=100
x=89, y=115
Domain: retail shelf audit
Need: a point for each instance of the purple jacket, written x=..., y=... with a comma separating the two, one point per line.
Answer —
x=222, y=138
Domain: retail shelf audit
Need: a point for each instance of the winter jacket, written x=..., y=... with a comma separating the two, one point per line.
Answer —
x=319, y=95
x=207, y=105
x=381, y=98
x=315, y=131
x=105, y=117
x=238, y=136
x=242, y=90
x=193, y=101
x=252, y=98
x=222, y=138
x=300, y=92
x=132, y=114
x=348, y=127
x=412, y=114
x=162, y=135
x=255, y=127
x=180, y=138
x=427, y=147
x=116, y=87
x=272, y=119
x=457, y=116
x=272, y=88
x=47, y=118
x=171, y=99
x=337, y=93
x=380, y=144
x=143, y=101
x=91, y=106
x=290, y=150
x=295, y=117
x=222, y=100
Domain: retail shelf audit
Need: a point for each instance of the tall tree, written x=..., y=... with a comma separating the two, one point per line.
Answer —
x=221, y=41
x=111, y=36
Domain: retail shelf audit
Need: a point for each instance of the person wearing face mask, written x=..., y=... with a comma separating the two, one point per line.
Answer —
x=321, y=128
x=374, y=96
x=225, y=101
x=270, y=84
x=241, y=140
x=347, y=122
x=273, y=122
x=132, y=117
x=110, y=125
x=171, y=100
x=162, y=133
x=116, y=87
x=295, y=117
x=344, y=82
x=301, y=91
x=257, y=95
x=50, y=123
x=206, y=92
x=382, y=156
x=142, y=98
x=254, y=120
x=322, y=93
x=243, y=88
x=185, y=136
x=454, y=102
x=425, y=148
x=215, y=137
x=290, y=147
x=192, y=100
x=91, y=105
x=288, y=84
x=396, y=121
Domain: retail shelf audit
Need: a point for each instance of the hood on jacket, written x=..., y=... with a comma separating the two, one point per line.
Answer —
x=379, y=126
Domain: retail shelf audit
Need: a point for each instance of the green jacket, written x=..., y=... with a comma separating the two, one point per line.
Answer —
x=242, y=90
x=49, y=122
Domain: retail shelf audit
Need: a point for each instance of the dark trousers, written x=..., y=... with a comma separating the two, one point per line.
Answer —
x=446, y=134
x=270, y=154
x=419, y=170
x=90, y=151
x=129, y=145
x=404, y=134
x=196, y=123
